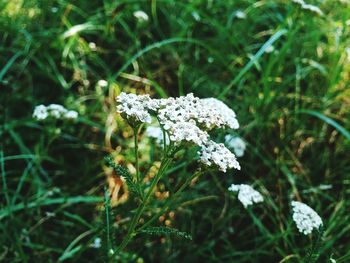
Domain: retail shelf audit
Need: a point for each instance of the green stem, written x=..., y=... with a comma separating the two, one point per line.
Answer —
x=136, y=132
x=135, y=219
x=170, y=202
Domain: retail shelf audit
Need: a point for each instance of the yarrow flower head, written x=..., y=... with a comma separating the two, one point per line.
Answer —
x=217, y=154
x=236, y=144
x=246, y=194
x=56, y=111
x=185, y=119
x=305, y=218
x=136, y=107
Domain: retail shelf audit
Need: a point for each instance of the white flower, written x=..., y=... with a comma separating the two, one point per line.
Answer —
x=308, y=7
x=102, y=83
x=97, y=243
x=305, y=218
x=136, y=107
x=215, y=113
x=207, y=113
x=157, y=133
x=92, y=46
x=236, y=144
x=57, y=111
x=240, y=14
x=213, y=153
x=246, y=194
x=141, y=16
x=40, y=112
x=186, y=131
x=270, y=49
x=72, y=114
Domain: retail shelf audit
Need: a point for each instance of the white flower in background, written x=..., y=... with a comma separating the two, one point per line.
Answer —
x=270, y=49
x=92, y=46
x=305, y=218
x=217, y=154
x=308, y=7
x=97, y=243
x=40, y=112
x=157, y=133
x=141, y=16
x=136, y=107
x=240, y=14
x=56, y=111
x=72, y=114
x=246, y=194
x=236, y=144
x=102, y=83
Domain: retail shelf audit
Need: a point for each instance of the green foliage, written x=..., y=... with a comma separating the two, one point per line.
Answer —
x=314, y=252
x=283, y=69
x=166, y=231
x=121, y=171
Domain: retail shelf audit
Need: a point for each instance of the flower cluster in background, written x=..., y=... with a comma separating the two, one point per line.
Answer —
x=56, y=111
x=305, y=218
x=246, y=194
x=236, y=144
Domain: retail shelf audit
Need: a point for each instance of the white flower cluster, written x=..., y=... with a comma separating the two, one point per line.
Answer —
x=305, y=218
x=41, y=112
x=185, y=119
x=141, y=16
x=97, y=243
x=217, y=154
x=246, y=194
x=309, y=7
x=236, y=144
x=136, y=107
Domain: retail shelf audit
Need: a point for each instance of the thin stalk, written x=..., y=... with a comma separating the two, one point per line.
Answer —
x=135, y=219
x=136, y=143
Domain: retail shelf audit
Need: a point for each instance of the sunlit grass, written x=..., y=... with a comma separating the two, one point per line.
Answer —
x=283, y=68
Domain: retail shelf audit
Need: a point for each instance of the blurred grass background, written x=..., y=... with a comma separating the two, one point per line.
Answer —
x=283, y=69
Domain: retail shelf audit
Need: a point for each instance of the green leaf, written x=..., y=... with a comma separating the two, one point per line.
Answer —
x=166, y=231
x=329, y=121
x=121, y=171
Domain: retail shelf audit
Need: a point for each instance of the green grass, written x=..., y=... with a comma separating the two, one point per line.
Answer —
x=292, y=104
